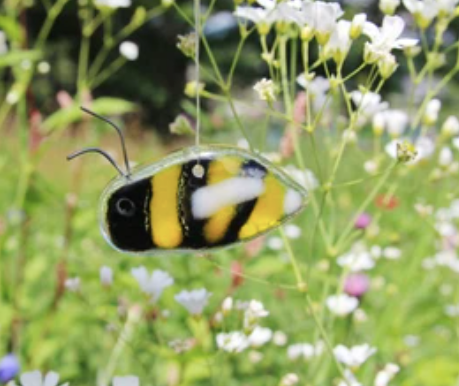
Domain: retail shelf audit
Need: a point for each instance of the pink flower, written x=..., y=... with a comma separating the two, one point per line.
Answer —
x=362, y=221
x=356, y=284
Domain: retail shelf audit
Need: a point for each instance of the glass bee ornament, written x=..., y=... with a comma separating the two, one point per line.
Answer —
x=197, y=199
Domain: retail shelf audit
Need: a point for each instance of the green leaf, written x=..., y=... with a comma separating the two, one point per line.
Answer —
x=13, y=58
x=62, y=118
x=11, y=27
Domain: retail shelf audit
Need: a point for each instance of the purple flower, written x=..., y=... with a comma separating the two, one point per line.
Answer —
x=9, y=368
x=356, y=284
x=362, y=221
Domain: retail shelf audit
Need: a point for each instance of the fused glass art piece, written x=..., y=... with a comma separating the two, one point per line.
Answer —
x=197, y=199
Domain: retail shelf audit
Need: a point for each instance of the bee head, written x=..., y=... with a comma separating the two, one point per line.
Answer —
x=126, y=216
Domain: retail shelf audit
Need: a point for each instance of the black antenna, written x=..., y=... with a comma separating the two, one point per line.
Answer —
x=103, y=153
x=107, y=156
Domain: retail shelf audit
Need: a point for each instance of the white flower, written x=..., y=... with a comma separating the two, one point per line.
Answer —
x=355, y=356
x=292, y=231
x=129, y=50
x=113, y=3
x=350, y=379
x=392, y=253
x=128, y=380
x=233, y=342
x=275, y=243
x=153, y=285
x=357, y=259
x=260, y=336
x=358, y=22
x=3, y=45
x=280, y=338
x=445, y=157
x=446, y=7
x=450, y=127
x=106, y=276
x=289, y=379
x=35, y=378
x=342, y=304
x=368, y=103
x=395, y=122
x=317, y=89
x=227, y=305
x=254, y=311
x=388, y=7
x=371, y=167
x=431, y=112
x=263, y=18
x=385, y=38
x=265, y=90
x=305, y=178
x=452, y=310
x=384, y=376
x=340, y=41
x=424, y=11
x=320, y=17
x=73, y=284
x=194, y=301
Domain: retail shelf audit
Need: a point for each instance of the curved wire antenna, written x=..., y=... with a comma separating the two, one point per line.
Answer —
x=123, y=143
x=107, y=156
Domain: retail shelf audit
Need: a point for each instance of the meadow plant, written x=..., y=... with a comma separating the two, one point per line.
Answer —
x=362, y=290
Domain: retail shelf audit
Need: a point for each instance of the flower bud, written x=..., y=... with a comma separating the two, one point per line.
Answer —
x=193, y=88
x=167, y=3
x=266, y=90
x=357, y=25
x=387, y=66
x=187, y=44
x=388, y=7
x=412, y=51
x=307, y=33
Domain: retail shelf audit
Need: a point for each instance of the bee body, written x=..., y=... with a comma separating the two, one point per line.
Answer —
x=198, y=199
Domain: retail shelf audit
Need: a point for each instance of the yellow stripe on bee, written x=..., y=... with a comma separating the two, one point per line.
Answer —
x=218, y=171
x=268, y=210
x=165, y=224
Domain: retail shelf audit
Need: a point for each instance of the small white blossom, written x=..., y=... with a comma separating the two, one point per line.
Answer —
x=260, y=336
x=280, y=338
x=35, y=378
x=128, y=380
x=275, y=243
x=106, y=276
x=384, y=376
x=254, y=311
x=355, y=356
x=73, y=284
x=194, y=301
x=320, y=17
x=371, y=167
x=358, y=22
x=263, y=18
x=153, y=284
x=445, y=157
x=340, y=41
x=357, y=259
x=113, y=3
x=289, y=379
x=227, y=305
x=368, y=104
x=233, y=342
x=385, y=38
x=424, y=11
x=392, y=253
x=129, y=50
x=317, y=89
x=304, y=351
x=292, y=231
x=431, y=112
x=342, y=304
x=450, y=127
x=266, y=90
x=305, y=178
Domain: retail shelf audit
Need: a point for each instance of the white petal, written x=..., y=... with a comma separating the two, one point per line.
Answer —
x=405, y=42
x=129, y=380
x=32, y=378
x=51, y=379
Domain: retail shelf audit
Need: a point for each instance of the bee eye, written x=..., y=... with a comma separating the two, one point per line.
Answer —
x=125, y=207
